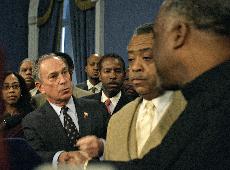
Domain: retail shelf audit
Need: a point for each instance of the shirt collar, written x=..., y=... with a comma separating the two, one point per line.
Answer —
x=70, y=105
x=161, y=102
x=113, y=99
x=90, y=85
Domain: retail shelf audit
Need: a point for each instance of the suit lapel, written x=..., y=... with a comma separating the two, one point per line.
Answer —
x=55, y=124
x=84, y=119
x=120, y=103
x=130, y=134
x=172, y=113
x=98, y=96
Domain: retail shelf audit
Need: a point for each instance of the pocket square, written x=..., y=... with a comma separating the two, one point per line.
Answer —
x=85, y=115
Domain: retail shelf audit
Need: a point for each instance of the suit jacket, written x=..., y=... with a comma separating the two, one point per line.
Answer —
x=83, y=85
x=45, y=133
x=121, y=137
x=199, y=138
x=39, y=99
x=124, y=99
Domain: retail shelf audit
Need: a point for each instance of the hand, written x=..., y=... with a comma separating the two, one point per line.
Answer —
x=77, y=157
x=63, y=158
x=91, y=145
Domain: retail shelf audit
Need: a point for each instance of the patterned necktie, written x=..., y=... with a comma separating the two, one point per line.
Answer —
x=69, y=126
x=93, y=89
x=144, y=126
x=107, y=104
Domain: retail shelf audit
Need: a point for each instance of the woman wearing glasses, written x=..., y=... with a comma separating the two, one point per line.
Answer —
x=16, y=104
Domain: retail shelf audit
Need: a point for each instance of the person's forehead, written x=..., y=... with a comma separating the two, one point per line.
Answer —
x=11, y=78
x=27, y=64
x=111, y=62
x=142, y=41
x=94, y=59
x=52, y=64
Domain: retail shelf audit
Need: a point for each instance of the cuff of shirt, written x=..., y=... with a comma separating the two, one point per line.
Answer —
x=102, y=156
x=55, y=159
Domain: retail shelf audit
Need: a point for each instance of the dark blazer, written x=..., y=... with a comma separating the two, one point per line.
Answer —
x=199, y=138
x=82, y=85
x=125, y=98
x=45, y=133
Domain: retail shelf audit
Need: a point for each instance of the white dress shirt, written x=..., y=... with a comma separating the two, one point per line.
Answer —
x=33, y=91
x=97, y=86
x=161, y=104
x=72, y=113
x=114, y=100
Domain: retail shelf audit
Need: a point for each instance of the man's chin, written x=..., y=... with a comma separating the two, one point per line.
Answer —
x=113, y=92
x=95, y=77
x=29, y=81
x=66, y=96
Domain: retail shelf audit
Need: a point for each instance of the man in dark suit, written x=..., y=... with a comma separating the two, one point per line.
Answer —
x=192, y=52
x=112, y=76
x=93, y=83
x=63, y=123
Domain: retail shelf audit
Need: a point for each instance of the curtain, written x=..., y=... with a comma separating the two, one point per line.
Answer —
x=14, y=31
x=83, y=37
x=49, y=23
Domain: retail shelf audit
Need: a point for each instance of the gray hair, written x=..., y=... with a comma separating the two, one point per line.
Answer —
x=144, y=29
x=211, y=15
x=44, y=57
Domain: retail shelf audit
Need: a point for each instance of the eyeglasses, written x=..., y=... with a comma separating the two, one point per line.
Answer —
x=8, y=87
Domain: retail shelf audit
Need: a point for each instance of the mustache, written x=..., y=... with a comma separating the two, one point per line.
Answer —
x=114, y=82
x=136, y=76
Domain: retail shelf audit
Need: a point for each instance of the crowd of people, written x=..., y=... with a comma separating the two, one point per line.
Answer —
x=169, y=109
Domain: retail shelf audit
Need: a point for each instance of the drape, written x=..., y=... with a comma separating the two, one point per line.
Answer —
x=49, y=23
x=14, y=31
x=83, y=37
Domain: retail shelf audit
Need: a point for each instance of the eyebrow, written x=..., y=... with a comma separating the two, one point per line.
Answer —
x=16, y=82
x=142, y=50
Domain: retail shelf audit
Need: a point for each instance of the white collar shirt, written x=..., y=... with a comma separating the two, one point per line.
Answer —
x=114, y=100
x=71, y=112
x=97, y=86
x=161, y=104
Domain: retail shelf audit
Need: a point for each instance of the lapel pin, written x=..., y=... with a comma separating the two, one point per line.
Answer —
x=85, y=115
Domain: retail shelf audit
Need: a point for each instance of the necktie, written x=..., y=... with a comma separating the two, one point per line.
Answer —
x=70, y=128
x=144, y=125
x=93, y=89
x=107, y=104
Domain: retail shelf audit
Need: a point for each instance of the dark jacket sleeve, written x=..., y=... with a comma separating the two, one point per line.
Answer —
x=34, y=139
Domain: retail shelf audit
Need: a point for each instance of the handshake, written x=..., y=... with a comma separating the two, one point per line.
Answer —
x=89, y=147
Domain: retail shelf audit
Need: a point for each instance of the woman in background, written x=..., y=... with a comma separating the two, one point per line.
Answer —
x=4, y=162
x=16, y=104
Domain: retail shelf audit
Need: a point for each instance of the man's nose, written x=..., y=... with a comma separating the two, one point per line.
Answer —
x=95, y=67
x=62, y=78
x=113, y=75
x=136, y=65
x=29, y=72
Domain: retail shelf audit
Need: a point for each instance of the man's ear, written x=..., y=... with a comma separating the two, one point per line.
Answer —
x=86, y=69
x=180, y=32
x=40, y=87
